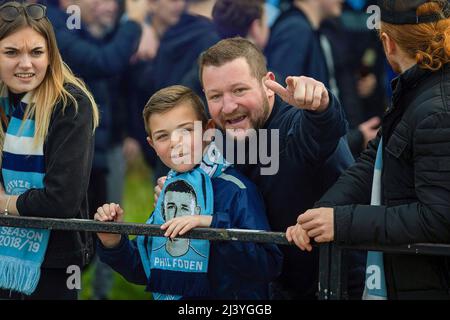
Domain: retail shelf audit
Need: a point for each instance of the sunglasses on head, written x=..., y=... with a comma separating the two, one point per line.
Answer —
x=10, y=12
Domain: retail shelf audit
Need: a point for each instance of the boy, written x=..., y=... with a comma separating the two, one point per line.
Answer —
x=174, y=269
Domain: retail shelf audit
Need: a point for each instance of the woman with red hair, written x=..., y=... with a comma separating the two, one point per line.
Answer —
x=398, y=192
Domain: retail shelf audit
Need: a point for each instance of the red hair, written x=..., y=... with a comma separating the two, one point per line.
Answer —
x=427, y=43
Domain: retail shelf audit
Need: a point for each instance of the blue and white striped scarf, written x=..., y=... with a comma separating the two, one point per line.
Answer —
x=22, y=250
x=179, y=268
x=375, y=284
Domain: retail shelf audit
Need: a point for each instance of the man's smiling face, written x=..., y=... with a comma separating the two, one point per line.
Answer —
x=237, y=101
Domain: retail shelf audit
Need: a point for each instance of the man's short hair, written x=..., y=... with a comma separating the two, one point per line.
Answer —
x=168, y=98
x=234, y=17
x=228, y=50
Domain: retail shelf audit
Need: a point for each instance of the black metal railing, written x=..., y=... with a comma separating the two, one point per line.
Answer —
x=142, y=229
x=332, y=257
x=333, y=264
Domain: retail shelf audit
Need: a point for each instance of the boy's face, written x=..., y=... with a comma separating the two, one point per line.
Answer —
x=176, y=136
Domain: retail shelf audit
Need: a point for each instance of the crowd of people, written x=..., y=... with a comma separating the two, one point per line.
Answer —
x=356, y=120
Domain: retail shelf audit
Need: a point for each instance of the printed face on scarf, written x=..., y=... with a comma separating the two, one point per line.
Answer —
x=177, y=204
x=176, y=138
x=237, y=101
x=23, y=60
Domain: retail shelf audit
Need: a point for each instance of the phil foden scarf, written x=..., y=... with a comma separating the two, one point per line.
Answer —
x=178, y=268
x=375, y=285
x=22, y=250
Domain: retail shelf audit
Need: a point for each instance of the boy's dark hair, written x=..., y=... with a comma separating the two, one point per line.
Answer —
x=234, y=17
x=168, y=98
x=228, y=50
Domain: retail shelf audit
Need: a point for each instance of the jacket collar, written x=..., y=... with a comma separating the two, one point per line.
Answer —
x=407, y=81
x=277, y=106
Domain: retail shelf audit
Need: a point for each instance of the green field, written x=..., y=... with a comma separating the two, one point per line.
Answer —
x=138, y=204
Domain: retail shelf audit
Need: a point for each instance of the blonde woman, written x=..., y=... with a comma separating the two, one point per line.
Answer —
x=48, y=120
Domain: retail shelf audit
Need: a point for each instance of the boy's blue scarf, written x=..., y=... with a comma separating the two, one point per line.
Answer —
x=375, y=285
x=22, y=250
x=178, y=268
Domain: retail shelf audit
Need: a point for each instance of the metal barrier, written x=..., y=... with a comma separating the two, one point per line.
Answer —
x=333, y=266
x=143, y=229
x=332, y=260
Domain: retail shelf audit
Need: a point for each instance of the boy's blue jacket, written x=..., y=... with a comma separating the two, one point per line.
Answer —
x=237, y=270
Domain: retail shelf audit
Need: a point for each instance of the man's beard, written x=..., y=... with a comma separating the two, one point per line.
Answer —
x=261, y=120
x=258, y=122
x=244, y=140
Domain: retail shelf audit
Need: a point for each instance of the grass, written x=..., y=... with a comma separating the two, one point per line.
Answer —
x=137, y=204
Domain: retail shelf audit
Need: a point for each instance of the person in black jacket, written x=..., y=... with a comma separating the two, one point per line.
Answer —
x=46, y=164
x=411, y=173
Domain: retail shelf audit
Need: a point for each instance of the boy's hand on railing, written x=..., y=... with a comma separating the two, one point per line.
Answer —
x=181, y=225
x=109, y=212
x=318, y=223
x=299, y=236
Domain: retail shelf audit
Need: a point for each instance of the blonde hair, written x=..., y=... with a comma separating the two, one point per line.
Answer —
x=52, y=89
x=427, y=43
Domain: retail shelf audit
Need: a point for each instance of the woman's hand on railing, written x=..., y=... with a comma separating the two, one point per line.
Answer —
x=299, y=236
x=318, y=223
